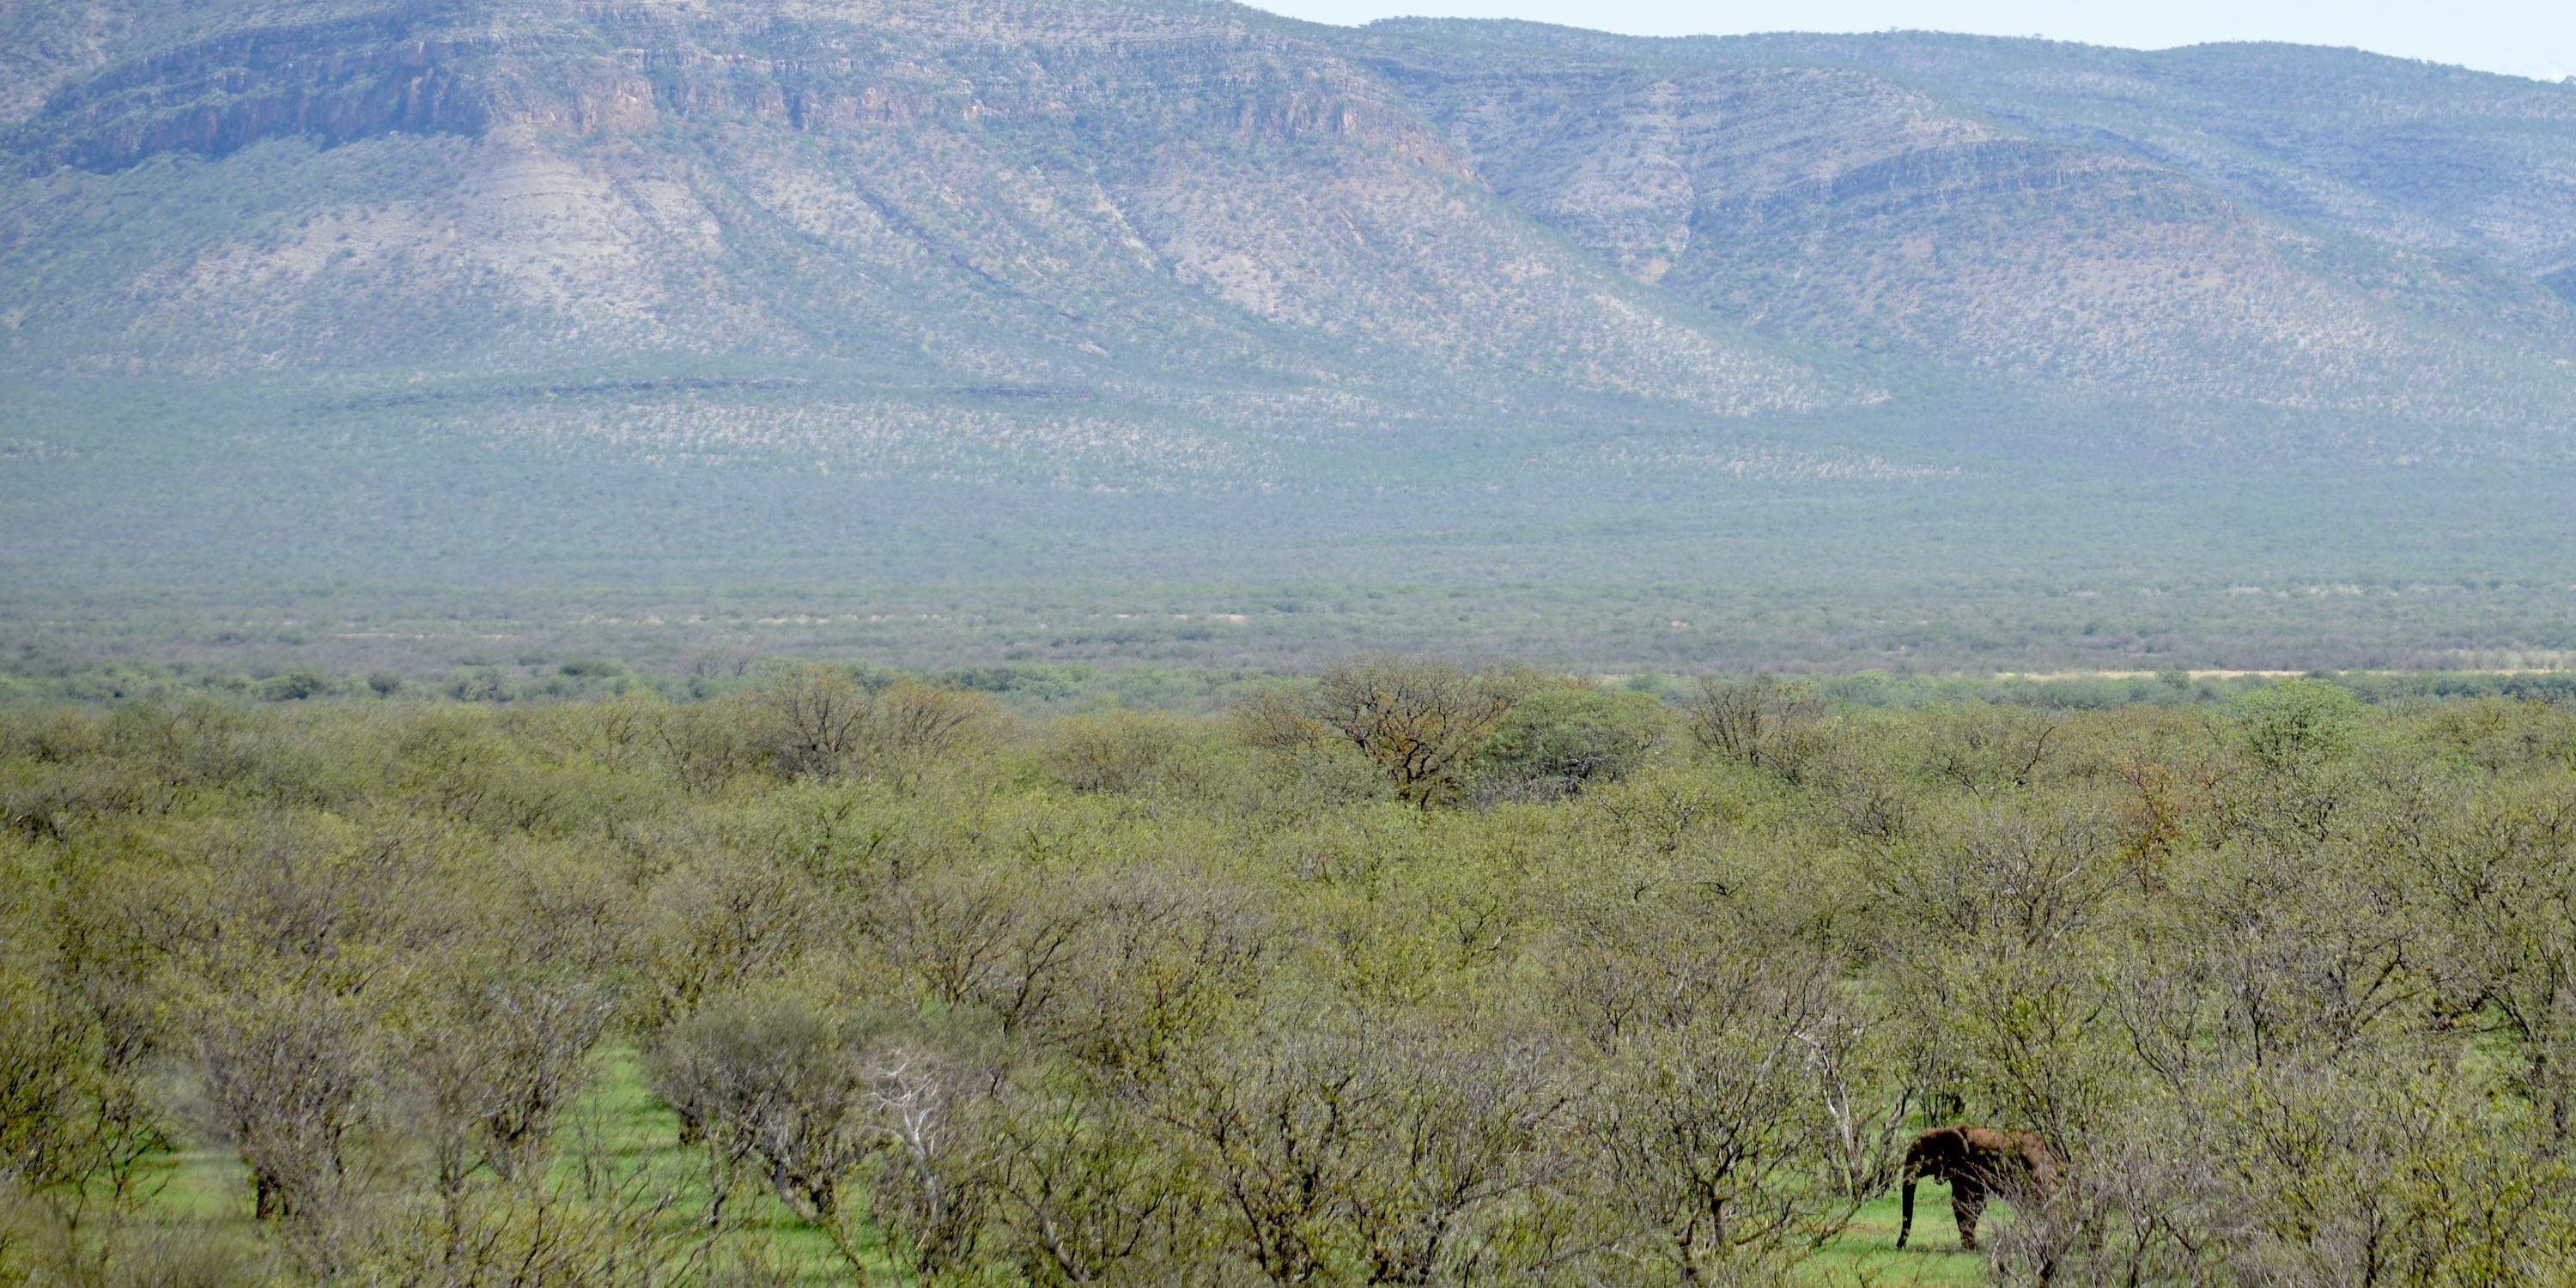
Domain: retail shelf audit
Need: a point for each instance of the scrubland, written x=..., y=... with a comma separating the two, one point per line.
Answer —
x=1404, y=972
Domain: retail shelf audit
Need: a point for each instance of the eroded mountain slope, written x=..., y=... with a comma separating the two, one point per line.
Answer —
x=1883, y=212
x=1048, y=193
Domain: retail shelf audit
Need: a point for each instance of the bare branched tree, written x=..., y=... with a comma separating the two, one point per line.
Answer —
x=494, y=1063
x=1705, y=1139
x=1079, y=1202
x=824, y=722
x=1760, y=721
x=287, y=1072
x=1416, y=719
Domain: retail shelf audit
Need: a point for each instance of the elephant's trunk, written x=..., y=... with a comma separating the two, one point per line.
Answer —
x=1905, y=1205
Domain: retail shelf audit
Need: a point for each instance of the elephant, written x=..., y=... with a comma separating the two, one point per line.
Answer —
x=1979, y=1162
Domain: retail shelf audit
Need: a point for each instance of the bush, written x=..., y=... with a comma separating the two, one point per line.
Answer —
x=1121, y=752
x=2298, y=724
x=1418, y=720
x=816, y=1100
x=2291, y=987
x=823, y=722
x=1563, y=738
x=1764, y=722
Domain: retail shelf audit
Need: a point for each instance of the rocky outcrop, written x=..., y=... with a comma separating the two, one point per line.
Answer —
x=1873, y=211
x=987, y=193
x=1063, y=193
x=443, y=67
x=413, y=70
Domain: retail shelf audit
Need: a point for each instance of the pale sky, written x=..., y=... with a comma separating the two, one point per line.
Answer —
x=2525, y=37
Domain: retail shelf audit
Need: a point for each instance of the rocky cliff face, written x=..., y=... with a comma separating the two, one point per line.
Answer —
x=1871, y=207
x=1178, y=204
x=468, y=67
x=1048, y=191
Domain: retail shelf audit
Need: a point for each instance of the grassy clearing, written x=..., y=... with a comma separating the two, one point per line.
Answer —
x=618, y=1134
x=1866, y=1252
x=621, y=1129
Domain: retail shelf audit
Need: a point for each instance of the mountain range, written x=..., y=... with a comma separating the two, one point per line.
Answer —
x=1072, y=248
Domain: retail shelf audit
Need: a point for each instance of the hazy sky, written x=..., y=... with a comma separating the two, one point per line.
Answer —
x=2525, y=37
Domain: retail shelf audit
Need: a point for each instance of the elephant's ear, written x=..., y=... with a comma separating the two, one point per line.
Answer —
x=1916, y=1153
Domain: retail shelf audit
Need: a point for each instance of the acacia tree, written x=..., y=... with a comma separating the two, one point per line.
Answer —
x=287, y=1071
x=1274, y=1136
x=1383, y=1153
x=1706, y=1141
x=775, y=1082
x=1417, y=719
x=824, y=722
x=933, y=1169
x=1005, y=941
x=1566, y=738
x=494, y=1063
x=1757, y=721
x=775, y=1085
x=1079, y=1201
x=824, y=1102
x=76, y=1122
x=297, y=936
x=2504, y=891
x=1460, y=1140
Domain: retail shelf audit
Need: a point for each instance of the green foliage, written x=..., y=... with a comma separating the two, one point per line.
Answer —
x=1561, y=739
x=1764, y=722
x=1419, y=720
x=764, y=988
x=1121, y=752
x=2298, y=724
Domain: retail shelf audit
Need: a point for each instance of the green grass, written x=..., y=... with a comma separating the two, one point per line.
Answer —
x=622, y=1129
x=201, y=1191
x=1866, y=1252
x=628, y=1129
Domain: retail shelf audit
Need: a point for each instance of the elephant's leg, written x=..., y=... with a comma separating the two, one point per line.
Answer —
x=1967, y=1200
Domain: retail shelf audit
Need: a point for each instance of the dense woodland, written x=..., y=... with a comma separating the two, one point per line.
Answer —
x=1408, y=972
